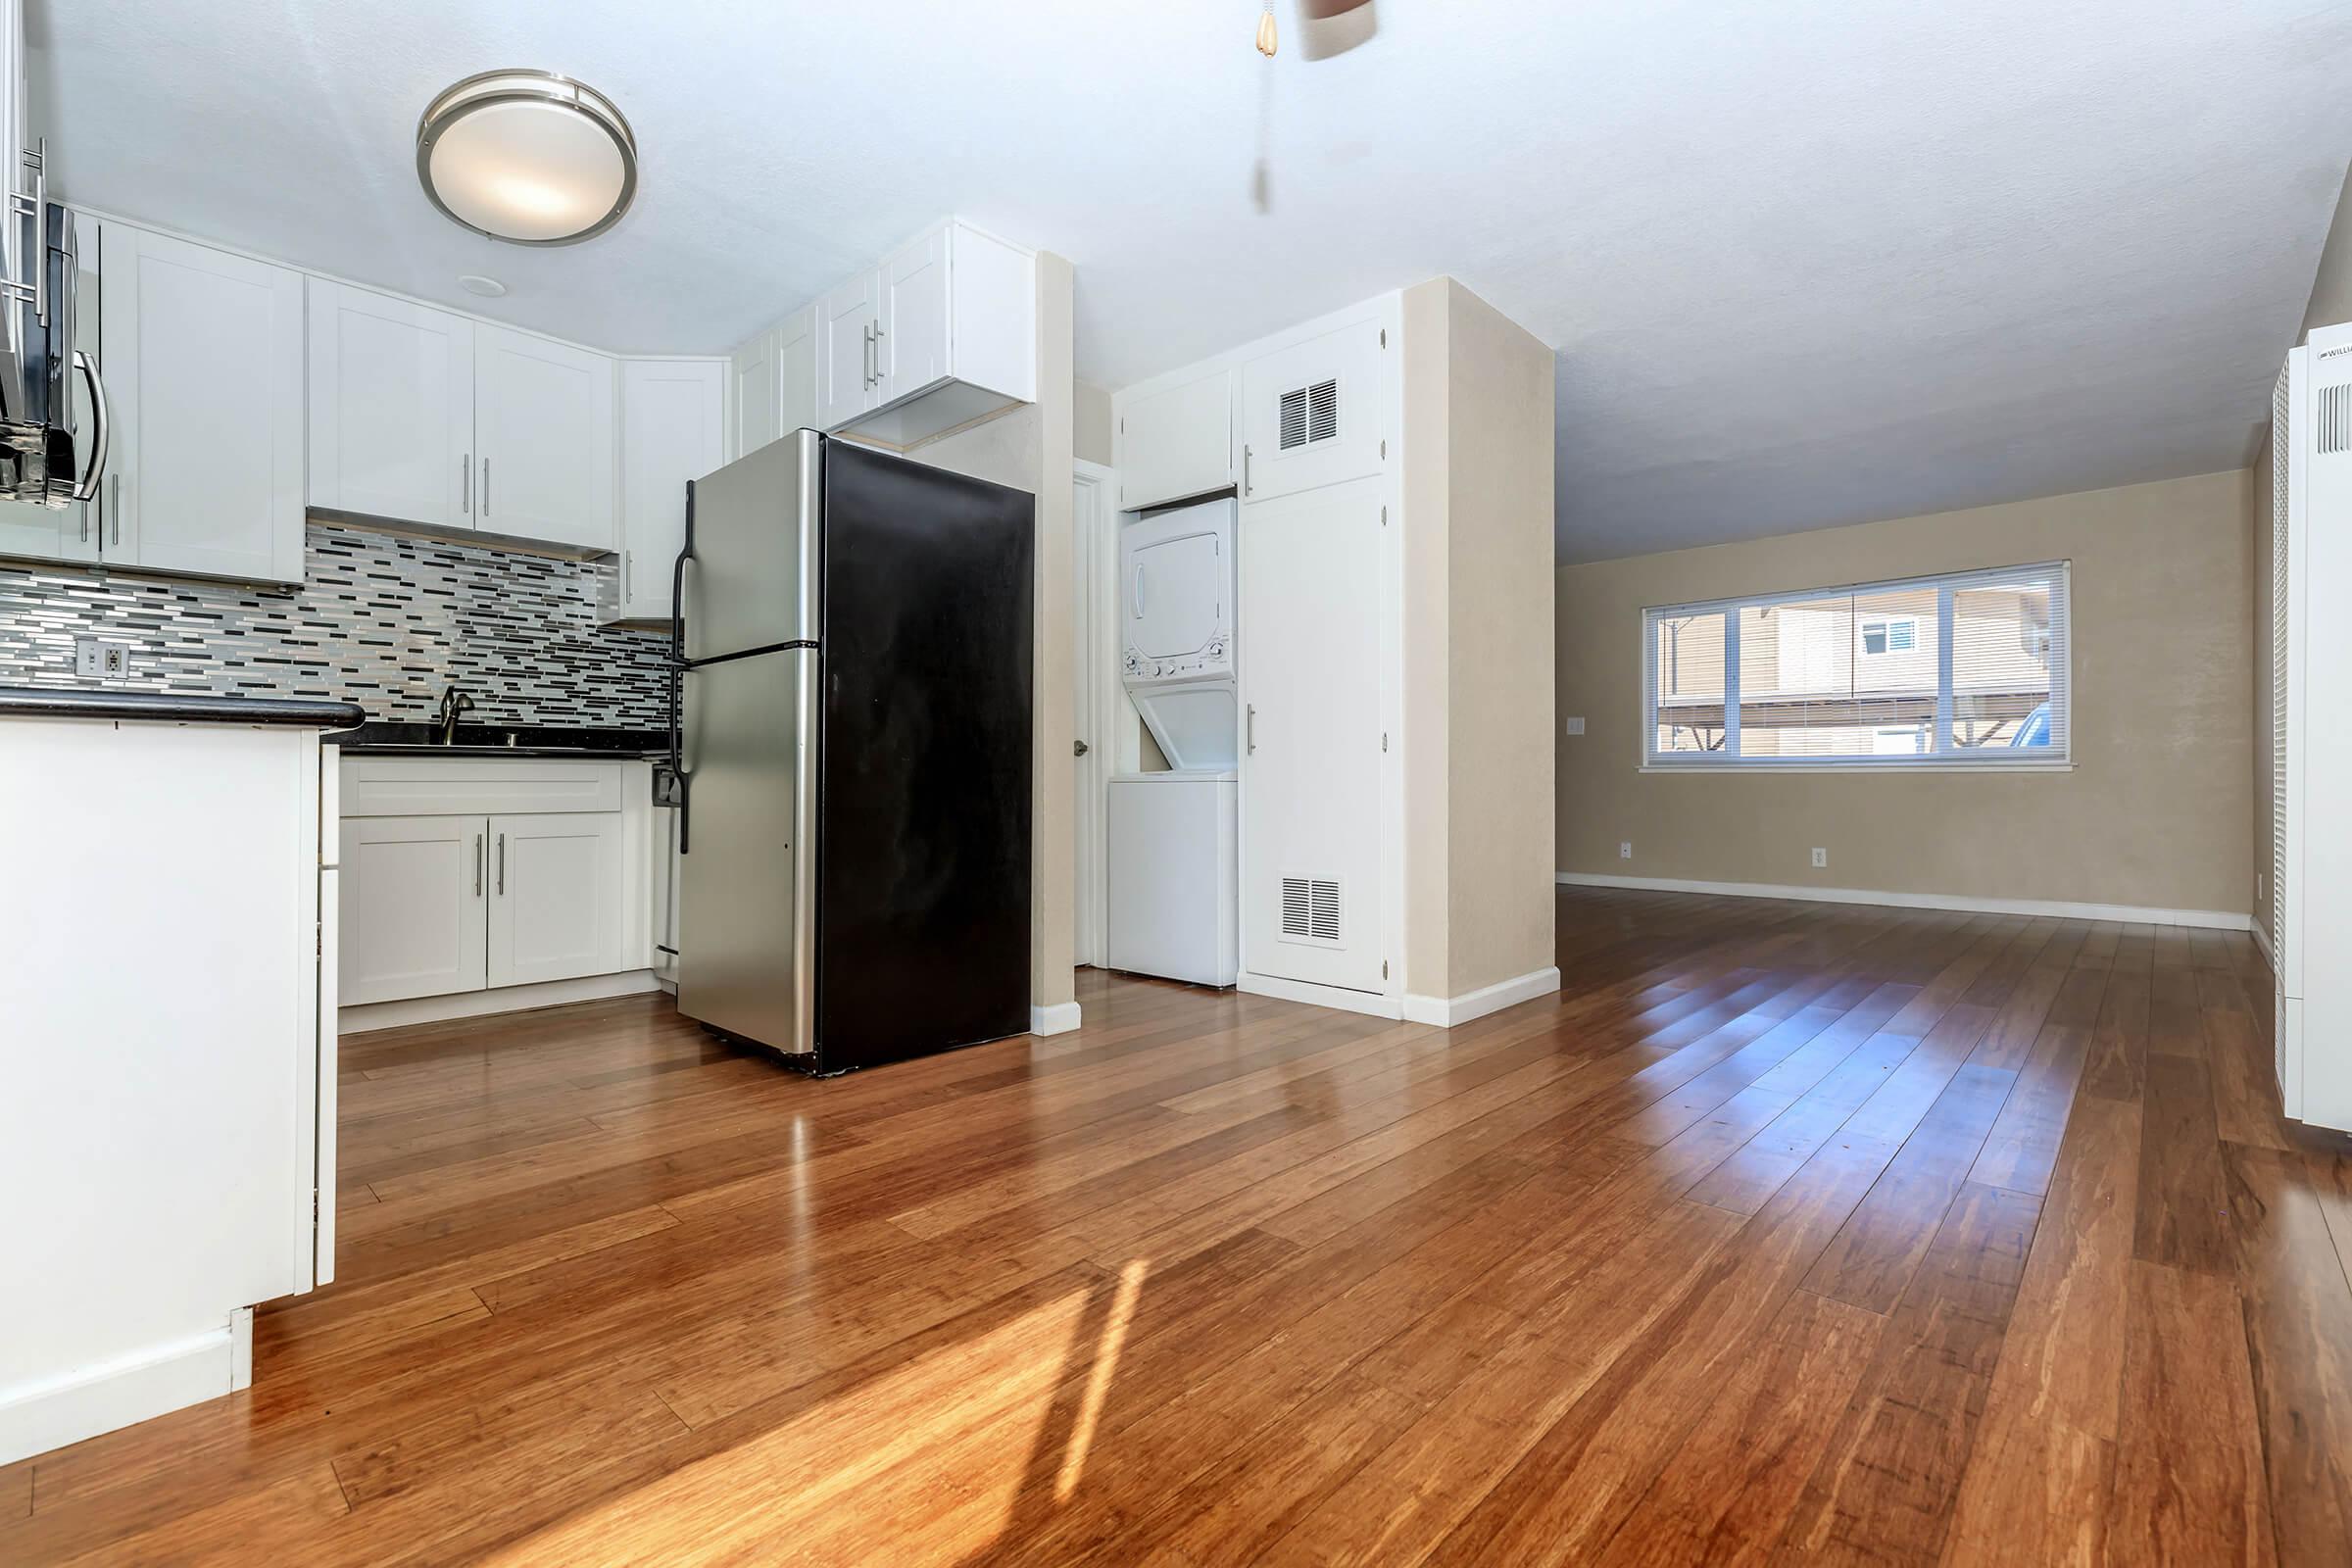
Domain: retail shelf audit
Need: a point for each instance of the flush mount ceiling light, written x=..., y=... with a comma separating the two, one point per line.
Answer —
x=528, y=155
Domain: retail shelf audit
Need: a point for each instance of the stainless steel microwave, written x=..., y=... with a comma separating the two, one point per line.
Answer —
x=44, y=457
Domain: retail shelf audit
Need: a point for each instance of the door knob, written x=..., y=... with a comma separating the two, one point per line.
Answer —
x=1079, y=748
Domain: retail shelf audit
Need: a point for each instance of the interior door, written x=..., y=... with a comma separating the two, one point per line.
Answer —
x=674, y=431
x=1312, y=413
x=204, y=359
x=846, y=321
x=414, y=897
x=391, y=388
x=556, y=886
x=911, y=337
x=1086, y=816
x=543, y=413
x=1311, y=894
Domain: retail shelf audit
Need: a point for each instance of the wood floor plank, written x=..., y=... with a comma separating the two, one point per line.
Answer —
x=1784, y=1232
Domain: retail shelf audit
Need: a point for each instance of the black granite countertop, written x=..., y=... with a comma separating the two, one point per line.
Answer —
x=391, y=737
x=175, y=708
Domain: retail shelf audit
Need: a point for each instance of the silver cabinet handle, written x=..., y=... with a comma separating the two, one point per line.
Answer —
x=502, y=865
x=466, y=482
x=478, y=865
x=866, y=364
x=114, y=484
x=485, y=487
x=1245, y=470
x=880, y=375
x=1249, y=726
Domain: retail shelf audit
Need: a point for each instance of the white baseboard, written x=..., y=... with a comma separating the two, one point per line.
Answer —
x=156, y=1381
x=2261, y=940
x=1447, y=1011
x=1058, y=1019
x=2059, y=908
x=1372, y=1002
x=481, y=1003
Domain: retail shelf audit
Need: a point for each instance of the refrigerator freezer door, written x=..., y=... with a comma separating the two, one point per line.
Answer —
x=923, y=868
x=752, y=582
x=747, y=923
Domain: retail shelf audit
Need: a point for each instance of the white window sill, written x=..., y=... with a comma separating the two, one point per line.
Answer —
x=1857, y=768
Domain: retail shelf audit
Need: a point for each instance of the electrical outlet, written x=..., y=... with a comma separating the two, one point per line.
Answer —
x=1625, y=851
x=1821, y=859
x=1573, y=726
x=115, y=661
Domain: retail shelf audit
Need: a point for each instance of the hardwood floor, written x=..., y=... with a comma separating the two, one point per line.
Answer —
x=1786, y=1232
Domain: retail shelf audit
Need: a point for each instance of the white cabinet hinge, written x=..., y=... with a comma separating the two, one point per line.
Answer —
x=1384, y=451
x=1384, y=517
x=314, y=1206
x=1384, y=740
x=1383, y=337
x=1384, y=968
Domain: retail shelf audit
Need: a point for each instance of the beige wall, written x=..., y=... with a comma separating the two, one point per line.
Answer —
x=1477, y=697
x=1031, y=449
x=2154, y=812
x=1091, y=438
x=2258, y=550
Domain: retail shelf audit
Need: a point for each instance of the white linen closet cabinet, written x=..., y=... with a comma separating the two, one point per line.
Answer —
x=2309, y=908
x=1314, y=621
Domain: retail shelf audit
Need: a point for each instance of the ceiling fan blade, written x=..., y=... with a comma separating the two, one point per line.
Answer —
x=1320, y=10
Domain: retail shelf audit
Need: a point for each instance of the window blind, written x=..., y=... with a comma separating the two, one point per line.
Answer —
x=1964, y=668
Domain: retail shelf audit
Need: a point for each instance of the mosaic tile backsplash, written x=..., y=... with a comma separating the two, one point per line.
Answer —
x=381, y=620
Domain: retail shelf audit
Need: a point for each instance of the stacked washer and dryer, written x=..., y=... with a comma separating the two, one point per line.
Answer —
x=1174, y=851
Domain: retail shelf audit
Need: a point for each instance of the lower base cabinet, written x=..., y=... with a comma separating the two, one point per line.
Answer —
x=446, y=898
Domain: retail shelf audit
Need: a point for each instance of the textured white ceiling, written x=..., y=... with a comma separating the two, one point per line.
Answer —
x=1805, y=261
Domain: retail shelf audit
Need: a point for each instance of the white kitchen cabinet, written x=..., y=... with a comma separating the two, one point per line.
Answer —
x=72, y=533
x=1175, y=442
x=796, y=372
x=847, y=319
x=203, y=355
x=752, y=395
x=674, y=429
x=391, y=416
x=556, y=886
x=414, y=895
x=543, y=439
x=912, y=339
x=1311, y=414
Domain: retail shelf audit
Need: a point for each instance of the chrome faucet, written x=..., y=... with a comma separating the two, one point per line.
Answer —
x=453, y=703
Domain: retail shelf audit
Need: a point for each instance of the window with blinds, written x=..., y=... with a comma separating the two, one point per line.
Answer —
x=1964, y=669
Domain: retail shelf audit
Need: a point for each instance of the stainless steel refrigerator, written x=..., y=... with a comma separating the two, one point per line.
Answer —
x=852, y=726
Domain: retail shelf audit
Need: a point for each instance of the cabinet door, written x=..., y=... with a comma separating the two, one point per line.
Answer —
x=1312, y=412
x=796, y=372
x=752, y=379
x=391, y=408
x=557, y=884
x=543, y=416
x=203, y=366
x=414, y=894
x=65, y=533
x=912, y=333
x=846, y=322
x=1176, y=442
x=1311, y=894
x=672, y=430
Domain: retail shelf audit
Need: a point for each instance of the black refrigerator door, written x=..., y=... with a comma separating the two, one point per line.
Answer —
x=924, y=795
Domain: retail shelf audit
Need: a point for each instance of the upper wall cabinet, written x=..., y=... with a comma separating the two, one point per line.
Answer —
x=203, y=357
x=674, y=429
x=543, y=417
x=1310, y=414
x=1176, y=442
x=940, y=334
x=774, y=383
x=427, y=416
x=391, y=408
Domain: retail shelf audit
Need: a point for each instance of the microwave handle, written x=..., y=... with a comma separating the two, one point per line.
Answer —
x=101, y=437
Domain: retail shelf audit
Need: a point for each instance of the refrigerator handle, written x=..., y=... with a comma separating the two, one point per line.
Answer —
x=677, y=672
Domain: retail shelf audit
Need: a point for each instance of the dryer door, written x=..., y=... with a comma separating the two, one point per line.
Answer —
x=1175, y=595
